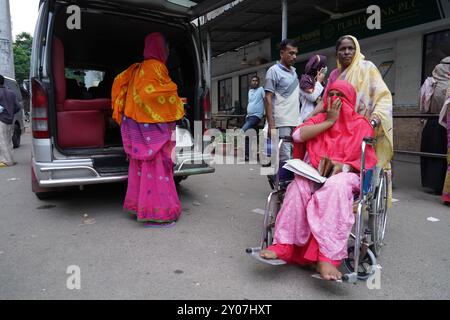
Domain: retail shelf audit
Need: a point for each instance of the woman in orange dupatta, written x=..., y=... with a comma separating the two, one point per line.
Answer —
x=146, y=105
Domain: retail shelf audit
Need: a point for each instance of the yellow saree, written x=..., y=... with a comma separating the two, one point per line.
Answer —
x=374, y=100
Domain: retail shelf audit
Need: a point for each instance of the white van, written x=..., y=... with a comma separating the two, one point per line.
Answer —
x=78, y=49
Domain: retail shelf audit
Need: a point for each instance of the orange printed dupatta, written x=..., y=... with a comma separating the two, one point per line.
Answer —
x=145, y=93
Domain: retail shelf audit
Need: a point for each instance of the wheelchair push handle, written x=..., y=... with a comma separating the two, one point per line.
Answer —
x=286, y=138
x=374, y=123
x=370, y=140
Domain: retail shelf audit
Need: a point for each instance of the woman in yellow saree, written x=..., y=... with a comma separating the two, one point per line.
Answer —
x=374, y=100
x=146, y=105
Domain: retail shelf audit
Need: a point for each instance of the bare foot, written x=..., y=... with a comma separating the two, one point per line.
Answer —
x=268, y=254
x=328, y=271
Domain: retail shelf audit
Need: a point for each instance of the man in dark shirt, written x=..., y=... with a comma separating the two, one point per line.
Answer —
x=9, y=106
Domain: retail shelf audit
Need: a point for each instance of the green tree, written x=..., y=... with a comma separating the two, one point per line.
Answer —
x=22, y=54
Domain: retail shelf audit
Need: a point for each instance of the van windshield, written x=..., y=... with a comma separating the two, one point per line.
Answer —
x=82, y=83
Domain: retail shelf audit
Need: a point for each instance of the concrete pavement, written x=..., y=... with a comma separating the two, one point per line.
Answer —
x=202, y=256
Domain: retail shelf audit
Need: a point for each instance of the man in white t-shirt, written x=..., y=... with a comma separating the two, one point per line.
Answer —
x=281, y=100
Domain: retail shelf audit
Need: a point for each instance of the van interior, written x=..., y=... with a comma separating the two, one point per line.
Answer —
x=86, y=61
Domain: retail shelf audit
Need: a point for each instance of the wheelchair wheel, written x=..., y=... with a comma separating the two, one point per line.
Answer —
x=365, y=269
x=377, y=220
x=271, y=211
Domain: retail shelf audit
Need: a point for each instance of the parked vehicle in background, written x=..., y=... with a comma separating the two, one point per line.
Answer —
x=19, y=116
x=25, y=89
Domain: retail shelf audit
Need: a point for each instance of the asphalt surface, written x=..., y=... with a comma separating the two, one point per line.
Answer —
x=203, y=255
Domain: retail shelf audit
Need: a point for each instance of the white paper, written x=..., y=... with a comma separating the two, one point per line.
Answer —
x=302, y=168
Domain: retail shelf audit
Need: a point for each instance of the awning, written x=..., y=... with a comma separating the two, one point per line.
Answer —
x=254, y=20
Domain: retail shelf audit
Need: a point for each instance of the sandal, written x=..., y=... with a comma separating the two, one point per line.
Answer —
x=159, y=225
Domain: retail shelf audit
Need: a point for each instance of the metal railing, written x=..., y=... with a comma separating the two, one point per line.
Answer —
x=416, y=153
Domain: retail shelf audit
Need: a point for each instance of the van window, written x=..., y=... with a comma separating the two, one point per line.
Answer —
x=90, y=78
x=83, y=83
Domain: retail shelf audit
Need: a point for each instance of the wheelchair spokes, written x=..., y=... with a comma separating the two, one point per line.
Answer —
x=272, y=208
x=378, y=220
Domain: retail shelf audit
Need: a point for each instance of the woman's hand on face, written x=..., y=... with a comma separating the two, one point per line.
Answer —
x=333, y=110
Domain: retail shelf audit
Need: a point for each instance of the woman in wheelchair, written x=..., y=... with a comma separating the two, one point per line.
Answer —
x=314, y=223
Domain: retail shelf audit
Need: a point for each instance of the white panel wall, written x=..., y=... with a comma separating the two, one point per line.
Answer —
x=381, y=52
x=409, y=70
x=231, y=61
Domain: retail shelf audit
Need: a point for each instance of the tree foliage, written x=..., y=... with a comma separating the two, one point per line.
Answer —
x=22, y=54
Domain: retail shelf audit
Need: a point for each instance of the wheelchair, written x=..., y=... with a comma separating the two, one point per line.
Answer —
x=370, y=207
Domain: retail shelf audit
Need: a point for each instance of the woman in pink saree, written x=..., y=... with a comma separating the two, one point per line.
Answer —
x=146, y=105
x=314, y=223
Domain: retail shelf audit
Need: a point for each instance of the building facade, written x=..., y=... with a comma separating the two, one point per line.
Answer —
x=414, y=37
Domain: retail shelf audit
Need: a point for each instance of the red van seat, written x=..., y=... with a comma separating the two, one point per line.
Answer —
x=81, y=123
x=94, y=104
x=81, y=129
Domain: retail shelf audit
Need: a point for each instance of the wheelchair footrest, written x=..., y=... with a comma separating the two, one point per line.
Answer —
x=254, y=252
x=318, y=276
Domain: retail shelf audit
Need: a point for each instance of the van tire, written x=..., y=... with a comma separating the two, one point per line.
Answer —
x=178, y=179
x=16, y=136
x=44, y=195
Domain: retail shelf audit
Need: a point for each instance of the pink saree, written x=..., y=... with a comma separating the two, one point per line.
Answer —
x=151, y=192
x=315, y=222
x=446, y=191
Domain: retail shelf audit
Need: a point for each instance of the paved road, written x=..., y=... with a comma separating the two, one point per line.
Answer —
x=202, y=257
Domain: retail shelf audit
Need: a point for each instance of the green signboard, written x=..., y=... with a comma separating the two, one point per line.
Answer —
x=395, y=15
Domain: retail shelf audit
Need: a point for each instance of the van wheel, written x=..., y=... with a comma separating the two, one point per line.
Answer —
x=16, y=135
x=44, y=195
x=179, y=179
